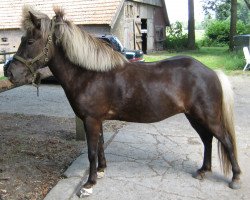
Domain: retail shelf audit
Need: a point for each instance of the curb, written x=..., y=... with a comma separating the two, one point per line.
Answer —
x=75, y=175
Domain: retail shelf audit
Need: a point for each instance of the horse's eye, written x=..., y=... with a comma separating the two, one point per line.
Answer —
x=31, y=41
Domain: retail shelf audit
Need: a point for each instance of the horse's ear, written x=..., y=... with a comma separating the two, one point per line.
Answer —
x=35, y=20
x=59, y=13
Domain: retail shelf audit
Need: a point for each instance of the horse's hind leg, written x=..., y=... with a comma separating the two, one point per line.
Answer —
x=101, y=156
x=207, y=139
x=228, y=150
x=228, y=155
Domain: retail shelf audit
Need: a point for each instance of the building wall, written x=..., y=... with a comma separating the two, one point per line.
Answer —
x=147, y=12
x=133, y=11
x=159, y=29
x=96, y=29
x=13, y=41
x=124, y=28
x=119, y=29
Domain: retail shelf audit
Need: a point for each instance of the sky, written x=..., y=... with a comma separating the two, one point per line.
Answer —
x=178, y=10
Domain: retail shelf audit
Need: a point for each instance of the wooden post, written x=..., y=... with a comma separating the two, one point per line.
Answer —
x=80, y=130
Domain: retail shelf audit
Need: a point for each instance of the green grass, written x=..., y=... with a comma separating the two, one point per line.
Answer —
x=213, y=57
x=2, y=78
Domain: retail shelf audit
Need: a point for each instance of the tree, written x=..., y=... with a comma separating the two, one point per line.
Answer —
x=221, y=8
x=247, y=3
x=191, y=25
x=215, y=5
x=233, y=22
x=243, y=12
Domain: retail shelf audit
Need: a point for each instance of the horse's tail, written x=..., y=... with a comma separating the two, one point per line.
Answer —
x=228, y=122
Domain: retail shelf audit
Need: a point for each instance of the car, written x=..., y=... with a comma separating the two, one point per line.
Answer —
x=6, y=65
x=114, y=42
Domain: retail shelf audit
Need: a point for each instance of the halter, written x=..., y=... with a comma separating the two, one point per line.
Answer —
x=29, y=63
x=44, y=53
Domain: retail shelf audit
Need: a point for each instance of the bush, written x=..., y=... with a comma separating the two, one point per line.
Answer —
x=176, y=39
x=217, y=32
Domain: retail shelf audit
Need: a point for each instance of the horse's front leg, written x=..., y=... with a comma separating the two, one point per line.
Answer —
x=101, y=156
x=93, y=129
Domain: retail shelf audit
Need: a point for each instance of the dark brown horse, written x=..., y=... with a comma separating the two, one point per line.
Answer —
x=101, y=84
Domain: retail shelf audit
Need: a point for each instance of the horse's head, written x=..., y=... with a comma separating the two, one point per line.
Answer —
x=36, y=48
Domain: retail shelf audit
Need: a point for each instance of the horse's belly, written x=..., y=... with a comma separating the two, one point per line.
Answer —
x=147, y=114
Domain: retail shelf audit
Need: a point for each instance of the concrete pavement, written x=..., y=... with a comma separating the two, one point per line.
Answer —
x=24, y=100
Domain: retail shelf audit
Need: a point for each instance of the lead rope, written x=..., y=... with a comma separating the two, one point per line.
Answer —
x=36, y=82
x=37, y=90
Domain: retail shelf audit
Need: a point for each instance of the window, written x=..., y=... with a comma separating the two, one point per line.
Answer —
x=159, y=33
x=4, y=39
x=129, y=10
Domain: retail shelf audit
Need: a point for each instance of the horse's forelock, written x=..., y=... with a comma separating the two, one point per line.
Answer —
x=27, y=24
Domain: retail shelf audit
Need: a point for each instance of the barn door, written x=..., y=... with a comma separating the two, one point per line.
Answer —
x=138, y=34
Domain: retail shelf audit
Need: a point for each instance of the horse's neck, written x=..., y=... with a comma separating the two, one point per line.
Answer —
x=63, y=70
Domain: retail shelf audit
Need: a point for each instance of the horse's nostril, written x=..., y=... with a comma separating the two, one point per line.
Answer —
x=9, y=74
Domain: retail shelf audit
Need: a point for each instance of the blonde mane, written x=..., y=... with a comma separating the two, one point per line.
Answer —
x=81, y=48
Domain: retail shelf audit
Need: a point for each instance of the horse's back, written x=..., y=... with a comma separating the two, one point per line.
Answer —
x=178, y=69
x=154, y=91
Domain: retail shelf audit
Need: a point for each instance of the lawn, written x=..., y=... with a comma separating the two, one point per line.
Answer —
x=213, y=57
x=2, y=78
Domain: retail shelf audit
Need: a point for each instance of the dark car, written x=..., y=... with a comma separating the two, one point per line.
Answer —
x=6, y=65
x=114, y=42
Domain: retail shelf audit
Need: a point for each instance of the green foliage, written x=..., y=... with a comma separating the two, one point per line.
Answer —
x=176, y=39
x=213, y=57
x=217, y=32
x=221, y=10
x=247, y=31
x=243, y=12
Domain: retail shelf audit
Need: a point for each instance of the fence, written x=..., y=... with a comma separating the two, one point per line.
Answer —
x=241, y=41
x=5, y=55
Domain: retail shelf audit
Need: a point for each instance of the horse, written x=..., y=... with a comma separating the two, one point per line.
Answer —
x=101, y=84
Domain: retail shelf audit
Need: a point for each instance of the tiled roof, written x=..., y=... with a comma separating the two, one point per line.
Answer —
x=78, y=11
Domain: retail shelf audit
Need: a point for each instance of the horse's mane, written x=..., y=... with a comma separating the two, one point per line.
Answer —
x=80, y=47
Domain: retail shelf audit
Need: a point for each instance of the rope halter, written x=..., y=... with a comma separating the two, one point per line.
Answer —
x=44, y=54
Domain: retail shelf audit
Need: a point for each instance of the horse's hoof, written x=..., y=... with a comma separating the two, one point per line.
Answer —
x=100, y=174
x=199, y=175
x=235, y=184
x=85, y=192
